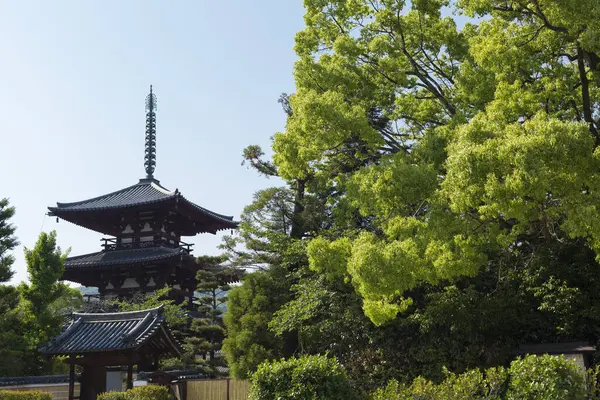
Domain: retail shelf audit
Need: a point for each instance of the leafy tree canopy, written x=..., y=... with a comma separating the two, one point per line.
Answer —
x=460, y=148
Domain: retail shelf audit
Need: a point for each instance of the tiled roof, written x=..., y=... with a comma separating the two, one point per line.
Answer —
x=145, y=192
x=102, y=332
x=176, y=374
x=129, y=256
x=33, y=380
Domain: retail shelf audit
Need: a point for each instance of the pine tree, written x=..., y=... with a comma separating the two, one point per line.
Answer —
x=8, y=240
x=208, y=330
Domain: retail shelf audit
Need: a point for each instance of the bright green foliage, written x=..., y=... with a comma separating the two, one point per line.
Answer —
x=530, y=378
x=44, y=299
x=31, y=314
x=114, y=396
x=304, y=378
x=8, y=240
x=545, y=378
x=462, y=148
x=148, y=392
x=26, y=395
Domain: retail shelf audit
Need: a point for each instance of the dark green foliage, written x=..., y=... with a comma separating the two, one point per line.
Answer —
x=304, y=378
x=529, y=378
x=8, y=240
x=28, y=395
x=149, y=392
x=249, y=310
x=207, y=331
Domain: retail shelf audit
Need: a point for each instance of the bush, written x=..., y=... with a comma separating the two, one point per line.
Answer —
x=547, y=378
x=304, y=378
x=149, y=392
x=529, y=378
x=29, y=395
x=114, y=396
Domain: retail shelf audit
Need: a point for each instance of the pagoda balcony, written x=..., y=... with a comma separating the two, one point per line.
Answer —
x=112, y=244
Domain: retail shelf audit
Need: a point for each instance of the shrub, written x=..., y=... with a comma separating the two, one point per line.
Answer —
x=304, y=378
x=114, y=396
x=29, y=395
x=149, y=392
x=529, y=378
x=545, y=378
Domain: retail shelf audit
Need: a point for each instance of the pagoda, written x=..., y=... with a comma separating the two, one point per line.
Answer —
x=144, y=224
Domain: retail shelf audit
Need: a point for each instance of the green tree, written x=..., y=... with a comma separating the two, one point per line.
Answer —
x=250, y=307
x=208, y=330
x=477, y=143
x=264, y=243
x=44, y=300
x=12, y=344
x=8, y=240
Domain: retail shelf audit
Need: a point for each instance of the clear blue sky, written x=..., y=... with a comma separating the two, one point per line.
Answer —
x=73, y=78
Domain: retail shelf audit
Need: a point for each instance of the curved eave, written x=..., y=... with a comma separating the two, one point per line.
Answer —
x=201, y=219
x=172, y=345
x=74, y=263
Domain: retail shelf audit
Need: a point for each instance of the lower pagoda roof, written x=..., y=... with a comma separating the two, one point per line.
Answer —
x=114, y=332
x=147, y=194
x=143, y=255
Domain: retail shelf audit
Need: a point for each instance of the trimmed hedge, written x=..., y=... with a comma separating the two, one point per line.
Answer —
x=28, y=395
x=304, y=378
x=148, y=392
x=529, y=378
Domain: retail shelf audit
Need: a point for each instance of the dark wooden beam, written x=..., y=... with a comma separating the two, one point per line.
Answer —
x=130, y=375
x=71, y=378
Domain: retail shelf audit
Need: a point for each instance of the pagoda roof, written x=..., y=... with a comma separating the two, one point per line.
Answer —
x=110, y=332
x=146, y=194
x=127, y=256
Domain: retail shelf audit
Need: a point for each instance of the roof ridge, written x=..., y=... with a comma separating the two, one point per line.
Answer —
x=130, y=314
x=131, y=250
x=151, y=184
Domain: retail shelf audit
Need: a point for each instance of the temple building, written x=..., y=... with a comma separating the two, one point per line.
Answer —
x=95, y=342
x=144, y=224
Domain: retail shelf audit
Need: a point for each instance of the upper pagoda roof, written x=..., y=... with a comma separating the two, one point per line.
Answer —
x=146, y=194
x=109, y=332
x=102, y=213
x=147, y=191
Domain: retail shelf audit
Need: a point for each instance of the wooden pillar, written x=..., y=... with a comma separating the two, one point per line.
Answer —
x=227, y=388
x=130, y=376
x=71, y=378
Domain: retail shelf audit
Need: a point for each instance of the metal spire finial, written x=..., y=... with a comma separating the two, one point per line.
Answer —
x=150, y=156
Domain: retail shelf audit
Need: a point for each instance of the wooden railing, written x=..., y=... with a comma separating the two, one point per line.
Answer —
x=112, y=244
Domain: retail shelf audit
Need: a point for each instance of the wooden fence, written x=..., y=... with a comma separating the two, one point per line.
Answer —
x=222, y=389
